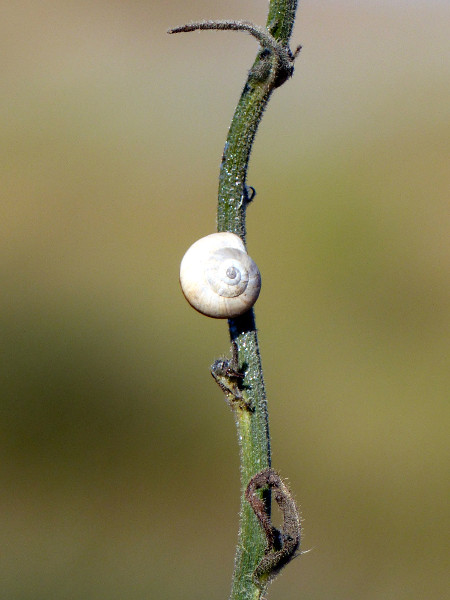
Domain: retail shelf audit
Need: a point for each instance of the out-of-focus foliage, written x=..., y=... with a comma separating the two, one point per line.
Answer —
x=119, y=470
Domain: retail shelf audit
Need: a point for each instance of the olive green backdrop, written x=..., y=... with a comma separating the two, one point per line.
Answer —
x=119, y=463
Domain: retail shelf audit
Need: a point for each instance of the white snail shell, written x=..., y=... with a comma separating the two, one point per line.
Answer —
x=218, y=277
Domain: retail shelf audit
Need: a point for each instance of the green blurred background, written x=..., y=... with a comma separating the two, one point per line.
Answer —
x=119, y=462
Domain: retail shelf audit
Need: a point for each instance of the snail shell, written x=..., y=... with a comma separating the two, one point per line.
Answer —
x=218, y=277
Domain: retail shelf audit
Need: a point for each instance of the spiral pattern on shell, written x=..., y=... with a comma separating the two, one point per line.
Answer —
x=218, y=277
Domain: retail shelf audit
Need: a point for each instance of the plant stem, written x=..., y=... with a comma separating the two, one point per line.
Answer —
x=252, y=426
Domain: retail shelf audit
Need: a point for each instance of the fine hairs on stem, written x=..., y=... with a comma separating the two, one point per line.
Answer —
x=262, y=549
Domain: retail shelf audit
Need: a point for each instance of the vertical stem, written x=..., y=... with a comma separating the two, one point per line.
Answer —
x=252, y=427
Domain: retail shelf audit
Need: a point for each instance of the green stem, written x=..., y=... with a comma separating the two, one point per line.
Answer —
x=252, y=426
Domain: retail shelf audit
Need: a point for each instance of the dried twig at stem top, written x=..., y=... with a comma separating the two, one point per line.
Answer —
x=283, y=54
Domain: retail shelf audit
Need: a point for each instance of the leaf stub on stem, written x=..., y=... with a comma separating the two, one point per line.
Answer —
x=229, y=378
x=282, y=545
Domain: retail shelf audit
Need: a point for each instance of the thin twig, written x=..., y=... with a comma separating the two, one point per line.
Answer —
x=242, y=380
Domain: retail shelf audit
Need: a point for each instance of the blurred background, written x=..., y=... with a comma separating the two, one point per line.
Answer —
x=119, y=463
